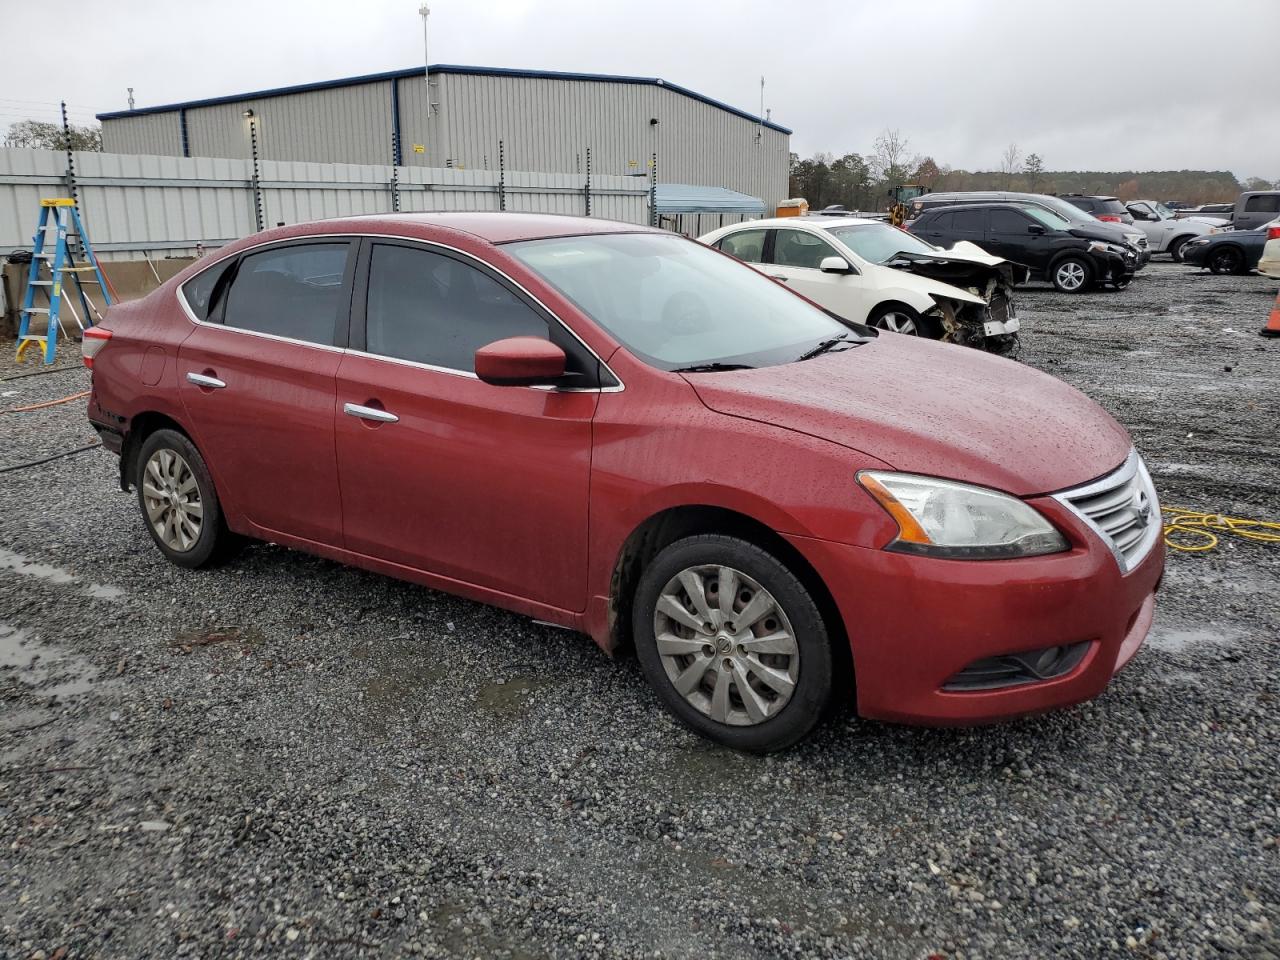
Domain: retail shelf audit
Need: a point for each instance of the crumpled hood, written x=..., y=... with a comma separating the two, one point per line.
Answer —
x=935, y=409
x=964, y=264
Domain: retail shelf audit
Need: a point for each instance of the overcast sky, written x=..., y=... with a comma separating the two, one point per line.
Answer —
x=1085, y=84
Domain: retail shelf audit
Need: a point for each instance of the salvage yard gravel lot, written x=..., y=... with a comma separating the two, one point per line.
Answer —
x=288, y=757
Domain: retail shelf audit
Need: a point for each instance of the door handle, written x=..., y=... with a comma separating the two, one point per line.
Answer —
x=369, y=413
x=200, y=380
x=781, y=278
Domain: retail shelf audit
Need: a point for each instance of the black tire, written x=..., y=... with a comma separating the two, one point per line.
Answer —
x=1226, y=259
x=213, y=542
x=1122, y=282
x=1072, y=275
x=1175, y=248
x=925, y=327
x=811, y=694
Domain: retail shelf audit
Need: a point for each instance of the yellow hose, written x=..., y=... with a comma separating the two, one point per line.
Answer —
x=1193, y=531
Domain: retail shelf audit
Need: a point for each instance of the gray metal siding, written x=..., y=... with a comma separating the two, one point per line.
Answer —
x=158, y=134
x=546, y=125
x=340, y=125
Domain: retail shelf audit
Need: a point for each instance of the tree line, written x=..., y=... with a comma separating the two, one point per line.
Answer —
x=862, y=182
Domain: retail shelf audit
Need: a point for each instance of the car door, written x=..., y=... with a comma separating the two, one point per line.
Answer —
x=257, y=380
x=1015, y=236
x=1148, y=221
x=935, y=228
x=969, y=224
x=794, y=258
x=441, y=472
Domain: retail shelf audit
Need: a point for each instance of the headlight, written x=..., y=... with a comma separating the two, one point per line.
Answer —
x=1101, y=246
x=941, y=518
x=1198, y=242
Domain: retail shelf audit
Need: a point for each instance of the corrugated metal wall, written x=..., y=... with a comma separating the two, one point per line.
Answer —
x=165, y=205
x=546, y=125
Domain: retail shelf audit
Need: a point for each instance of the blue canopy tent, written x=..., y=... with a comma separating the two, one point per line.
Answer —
x=675, y=200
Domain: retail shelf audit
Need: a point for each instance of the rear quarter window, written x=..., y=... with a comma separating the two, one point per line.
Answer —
x=1267, y=203
x=200, y=289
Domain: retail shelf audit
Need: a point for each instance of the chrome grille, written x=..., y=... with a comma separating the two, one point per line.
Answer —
x=1122, y=509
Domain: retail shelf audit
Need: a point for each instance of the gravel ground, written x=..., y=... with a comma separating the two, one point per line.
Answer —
x=293, y=758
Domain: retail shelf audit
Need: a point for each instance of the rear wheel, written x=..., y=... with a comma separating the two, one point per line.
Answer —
x=1072, y=275
x=178, y=503
x=1227, y=260
x=733, y=643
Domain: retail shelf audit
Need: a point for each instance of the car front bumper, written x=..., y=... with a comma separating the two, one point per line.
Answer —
x=914, y=623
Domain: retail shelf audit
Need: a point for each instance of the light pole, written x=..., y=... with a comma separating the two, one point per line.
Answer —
x=424, y=11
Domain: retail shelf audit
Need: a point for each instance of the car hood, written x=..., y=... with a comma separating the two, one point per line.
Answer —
x=964, y=265
x=935, y=409
x=1091, y=232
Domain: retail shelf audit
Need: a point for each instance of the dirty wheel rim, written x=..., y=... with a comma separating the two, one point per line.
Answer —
x=172, y=499
x=1071, y=275
x=726, y=645
x=1225, y=261
x=898, y=323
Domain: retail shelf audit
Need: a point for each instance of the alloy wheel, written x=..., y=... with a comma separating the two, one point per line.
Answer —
x=1071, y=276
x=726, y=644
x=171, y=496
x=898, y=323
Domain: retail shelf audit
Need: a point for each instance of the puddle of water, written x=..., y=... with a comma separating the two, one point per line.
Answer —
x=103, y=591
x=30, y=568
x=36, y=664
x=509, y=699
x=13, y=647
x=20, y=565
x=1180, y=639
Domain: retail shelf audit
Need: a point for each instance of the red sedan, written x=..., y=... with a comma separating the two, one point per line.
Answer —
x=627, y=433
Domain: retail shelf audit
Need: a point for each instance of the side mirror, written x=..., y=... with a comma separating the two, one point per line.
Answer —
x=520, y=362
x=836, y=265
x=1036, y=229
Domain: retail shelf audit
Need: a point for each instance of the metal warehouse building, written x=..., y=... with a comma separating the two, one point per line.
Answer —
x=546, y=122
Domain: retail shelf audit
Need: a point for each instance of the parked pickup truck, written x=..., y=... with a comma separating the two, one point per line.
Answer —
x=1251, y=210
x=1167, y=233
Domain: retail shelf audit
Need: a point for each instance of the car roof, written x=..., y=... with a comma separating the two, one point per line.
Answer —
x=820, y=222
x=498, y=227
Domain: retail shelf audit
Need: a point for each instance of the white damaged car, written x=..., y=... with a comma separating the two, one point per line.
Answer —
x=870, y=272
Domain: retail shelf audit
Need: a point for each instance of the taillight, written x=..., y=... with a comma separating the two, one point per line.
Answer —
x=95, y=338
x=1109, y=218
x=1273, y=233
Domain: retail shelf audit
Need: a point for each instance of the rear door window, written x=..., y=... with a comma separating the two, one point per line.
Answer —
x=746, y=245
x=969, y=223
x=1266, y=203
x=300, y=291
x=434, y=309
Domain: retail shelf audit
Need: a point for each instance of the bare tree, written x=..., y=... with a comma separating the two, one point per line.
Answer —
x=40, y=135
x=892, y=160
x=1009, y=163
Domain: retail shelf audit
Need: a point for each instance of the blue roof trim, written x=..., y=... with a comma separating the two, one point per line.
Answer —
x=441, y=68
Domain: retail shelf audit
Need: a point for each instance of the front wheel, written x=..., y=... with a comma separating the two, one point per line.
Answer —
x=1175, y=248
x=178, y=503
x=1072, y=275
x=1227, y=260
x=904, y=320
x=733, y=643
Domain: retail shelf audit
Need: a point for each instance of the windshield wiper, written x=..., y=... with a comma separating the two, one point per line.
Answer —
x=712, y=367
x=822, y=348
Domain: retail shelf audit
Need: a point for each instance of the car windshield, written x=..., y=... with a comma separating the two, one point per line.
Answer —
x=879, y=242
x=1068, y=211
x=1163, y=212
x=1047, y=217
x=676, y=303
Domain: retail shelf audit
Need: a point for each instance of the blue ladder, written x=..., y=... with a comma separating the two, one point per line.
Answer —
x=61, y=261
